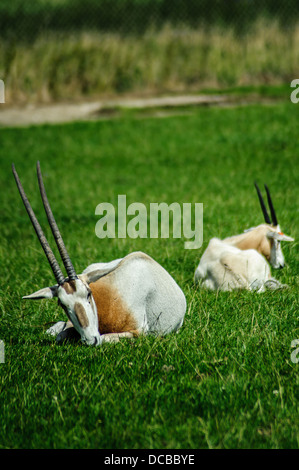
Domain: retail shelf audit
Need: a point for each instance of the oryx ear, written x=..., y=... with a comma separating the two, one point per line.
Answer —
x=93, y=272
x=46, y=293
x=279, y=236
x=93, y=276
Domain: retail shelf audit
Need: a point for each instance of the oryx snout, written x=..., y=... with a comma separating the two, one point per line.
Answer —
x=276, y=256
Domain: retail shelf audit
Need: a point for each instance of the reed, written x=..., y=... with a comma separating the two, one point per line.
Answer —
x=86, y=65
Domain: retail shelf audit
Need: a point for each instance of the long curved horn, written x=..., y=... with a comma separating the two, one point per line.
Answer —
x=266, y=215
x=56, y=233
x=273, y=215
x=40, y=234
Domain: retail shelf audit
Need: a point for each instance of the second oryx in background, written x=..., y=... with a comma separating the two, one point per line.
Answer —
x=123, y=298
x=241, y=261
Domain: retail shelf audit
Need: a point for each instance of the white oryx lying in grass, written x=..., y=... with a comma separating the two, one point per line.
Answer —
x=126, y=297
x=240, y=262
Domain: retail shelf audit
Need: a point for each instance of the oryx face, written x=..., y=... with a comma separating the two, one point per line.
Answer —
x=275, y=237
x=274, y=234
x=276, y=254
x=74, y=294
x=76, y=299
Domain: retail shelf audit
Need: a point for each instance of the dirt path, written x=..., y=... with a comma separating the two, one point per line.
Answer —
x=68, y=112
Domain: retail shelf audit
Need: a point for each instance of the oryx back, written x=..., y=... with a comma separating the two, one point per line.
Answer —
x=137, y=294
x=226, y=267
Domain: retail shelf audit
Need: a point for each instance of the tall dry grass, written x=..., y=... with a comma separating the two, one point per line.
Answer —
x=92, y=64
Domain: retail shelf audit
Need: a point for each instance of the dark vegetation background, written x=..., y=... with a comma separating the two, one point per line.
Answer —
x=127, y=16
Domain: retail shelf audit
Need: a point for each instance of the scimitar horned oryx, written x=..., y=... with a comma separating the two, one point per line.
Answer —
x=241, y=261
x=123, y=298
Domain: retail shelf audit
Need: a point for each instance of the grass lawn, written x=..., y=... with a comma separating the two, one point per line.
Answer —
x=226, y=380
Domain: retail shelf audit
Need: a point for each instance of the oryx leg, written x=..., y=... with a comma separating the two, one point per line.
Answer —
x=64, y=331
x=57, y=328
x=274, y=284
x=115, y=337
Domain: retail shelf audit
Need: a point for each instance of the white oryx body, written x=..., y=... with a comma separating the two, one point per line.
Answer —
x=133, y=295
x=226, y=267
x=125, y=297
x=148, y=298
x=240, y=261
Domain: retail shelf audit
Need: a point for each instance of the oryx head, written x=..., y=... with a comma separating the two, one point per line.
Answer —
x=73, y=292
x=273, y=233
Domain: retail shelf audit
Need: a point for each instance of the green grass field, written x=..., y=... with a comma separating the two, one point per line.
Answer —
x=226, y=380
